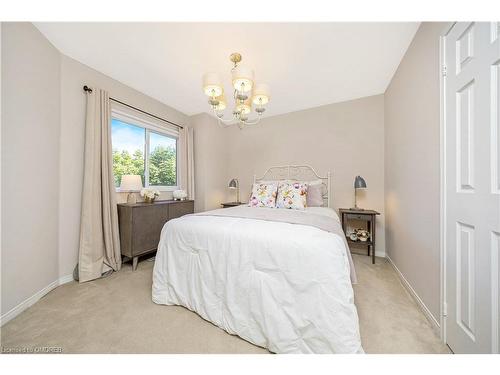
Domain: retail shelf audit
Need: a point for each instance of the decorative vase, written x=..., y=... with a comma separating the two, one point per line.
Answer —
x=149, y=200
x=353, y=236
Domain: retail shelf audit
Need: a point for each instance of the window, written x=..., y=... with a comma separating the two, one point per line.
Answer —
x=146, y=148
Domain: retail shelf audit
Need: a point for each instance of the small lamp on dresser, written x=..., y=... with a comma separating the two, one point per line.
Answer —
x=131, y=184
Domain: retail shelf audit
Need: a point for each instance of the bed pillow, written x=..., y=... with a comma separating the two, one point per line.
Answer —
x=292, y=194
x=315, y=194
x=263, y=195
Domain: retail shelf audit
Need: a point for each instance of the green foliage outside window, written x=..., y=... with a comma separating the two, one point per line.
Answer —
x=162, y=165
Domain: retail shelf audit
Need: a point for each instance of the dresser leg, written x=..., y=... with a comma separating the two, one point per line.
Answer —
x=134, y=263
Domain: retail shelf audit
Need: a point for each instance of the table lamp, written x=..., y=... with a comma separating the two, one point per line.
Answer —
x=359, y=183
x=234, y=184
x=131, y=184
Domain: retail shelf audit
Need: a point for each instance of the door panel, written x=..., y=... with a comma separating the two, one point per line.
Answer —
x=495, y=128
x=495, y=280
x=471, y=89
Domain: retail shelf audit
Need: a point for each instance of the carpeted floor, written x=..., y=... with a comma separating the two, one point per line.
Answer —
x=116, y=315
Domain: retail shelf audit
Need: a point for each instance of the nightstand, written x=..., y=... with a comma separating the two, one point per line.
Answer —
x=230, y=204
x=369, y=217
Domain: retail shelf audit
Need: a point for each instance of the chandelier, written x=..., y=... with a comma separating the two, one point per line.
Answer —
x=246, y=94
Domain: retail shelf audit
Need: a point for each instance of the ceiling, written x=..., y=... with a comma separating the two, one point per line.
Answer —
x=306, y=64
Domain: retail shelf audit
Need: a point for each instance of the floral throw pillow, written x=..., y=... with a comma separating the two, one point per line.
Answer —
x=263, y=195
x=292, y=195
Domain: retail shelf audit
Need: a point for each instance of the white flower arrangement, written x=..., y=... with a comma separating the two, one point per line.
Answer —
x=179, y=195
x=149, y=194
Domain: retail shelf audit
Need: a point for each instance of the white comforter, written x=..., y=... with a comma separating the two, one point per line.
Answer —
x=282, y=286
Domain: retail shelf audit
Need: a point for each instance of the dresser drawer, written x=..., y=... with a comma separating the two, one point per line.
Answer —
x=147, y=224
x=180, y=208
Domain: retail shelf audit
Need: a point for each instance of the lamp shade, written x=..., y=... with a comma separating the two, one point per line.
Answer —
x=261, y=94
x=233, y=184
x=212, y=85
x=131, y=182
x=242, y=79
x=359, y=183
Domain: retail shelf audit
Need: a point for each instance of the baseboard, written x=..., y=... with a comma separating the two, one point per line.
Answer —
x=11, y=314
x=434, y=323
x=66, y=279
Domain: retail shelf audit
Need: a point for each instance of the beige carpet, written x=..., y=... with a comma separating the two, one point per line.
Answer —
x=116, y=315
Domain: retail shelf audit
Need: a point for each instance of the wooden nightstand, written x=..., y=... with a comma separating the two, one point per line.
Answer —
x=230, y=204
x=141, y=224
x=369, y=216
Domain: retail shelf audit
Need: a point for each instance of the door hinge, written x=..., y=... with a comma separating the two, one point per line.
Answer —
x=444, y=70
x=445, y=309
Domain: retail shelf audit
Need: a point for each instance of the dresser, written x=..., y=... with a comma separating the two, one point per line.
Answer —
x=141, y=224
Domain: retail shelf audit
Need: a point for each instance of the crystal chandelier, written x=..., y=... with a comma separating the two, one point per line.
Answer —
x=246, y=94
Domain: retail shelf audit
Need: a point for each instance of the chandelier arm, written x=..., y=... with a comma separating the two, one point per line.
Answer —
x=254, y=122
x=223, y=122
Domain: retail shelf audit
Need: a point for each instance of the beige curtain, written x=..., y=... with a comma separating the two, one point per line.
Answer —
x=99, y=239
x=186, y=138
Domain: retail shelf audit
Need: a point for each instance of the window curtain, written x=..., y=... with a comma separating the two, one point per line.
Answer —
x=99, y=251
x=186, y=137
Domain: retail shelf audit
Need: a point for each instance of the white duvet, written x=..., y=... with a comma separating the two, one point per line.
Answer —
x=282, y=286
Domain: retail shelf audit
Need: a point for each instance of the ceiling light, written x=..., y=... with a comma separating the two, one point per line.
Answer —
x=245, y=93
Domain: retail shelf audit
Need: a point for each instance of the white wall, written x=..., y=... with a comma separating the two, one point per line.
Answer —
x=30, y=162
x=211, y=159
x=412, y=166
x=345, y=139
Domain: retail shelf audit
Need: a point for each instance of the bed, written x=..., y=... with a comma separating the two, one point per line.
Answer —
x=280, y=279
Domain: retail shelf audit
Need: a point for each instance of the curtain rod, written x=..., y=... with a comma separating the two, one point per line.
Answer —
x=89, y=89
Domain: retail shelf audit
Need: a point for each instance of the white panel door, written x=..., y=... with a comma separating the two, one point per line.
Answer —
x=472, y=172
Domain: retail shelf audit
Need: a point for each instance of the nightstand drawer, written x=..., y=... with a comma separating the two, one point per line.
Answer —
x=358, y=217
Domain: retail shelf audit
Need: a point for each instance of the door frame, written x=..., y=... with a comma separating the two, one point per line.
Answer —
x=443, y=182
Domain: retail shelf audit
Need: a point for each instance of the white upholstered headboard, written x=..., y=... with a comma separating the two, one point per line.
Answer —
x=299, y=173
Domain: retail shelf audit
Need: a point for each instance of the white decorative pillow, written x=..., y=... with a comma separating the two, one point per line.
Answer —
x=292, y=194
x=263, y=195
